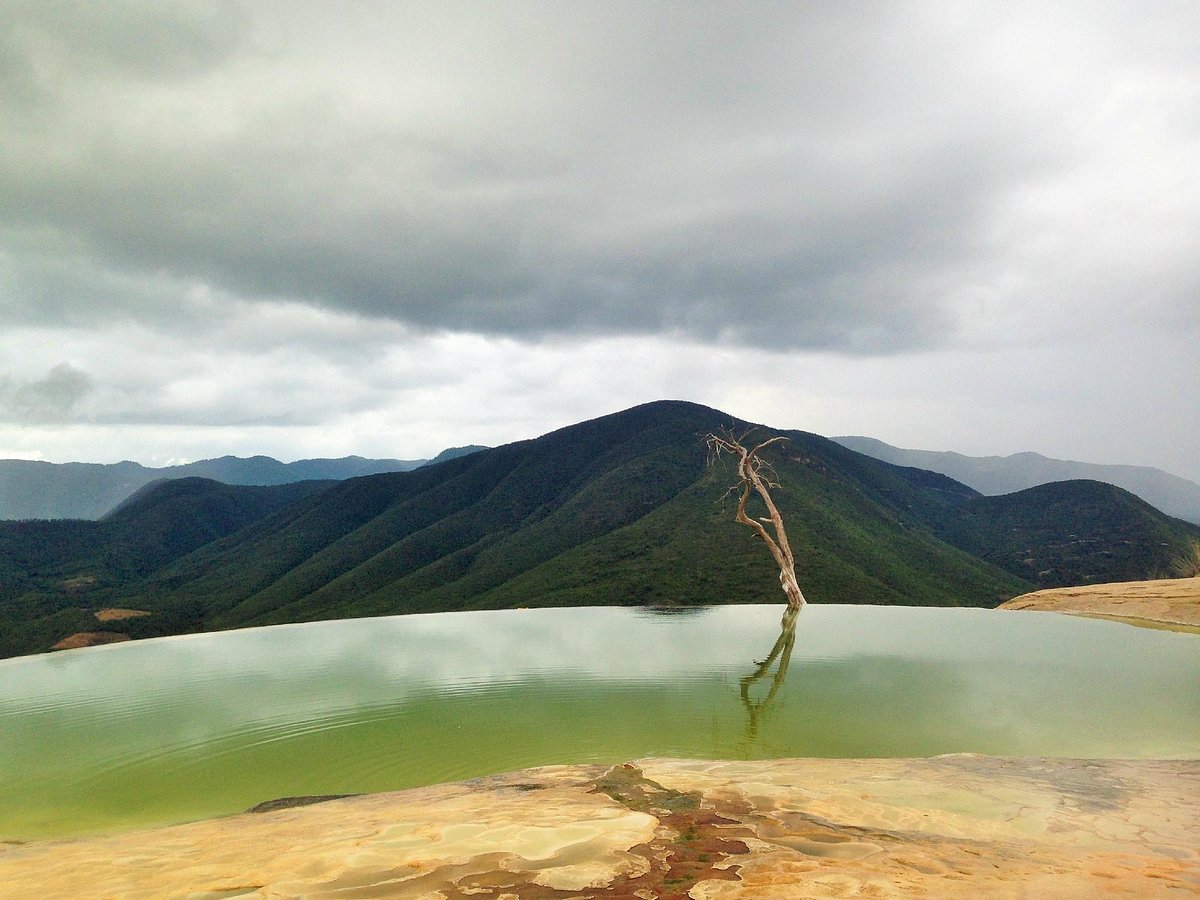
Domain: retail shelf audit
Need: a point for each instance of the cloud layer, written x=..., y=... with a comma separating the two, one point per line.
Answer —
x=782, y=176
x=299, y=197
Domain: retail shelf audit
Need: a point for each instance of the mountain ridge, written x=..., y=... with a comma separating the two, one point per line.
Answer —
x=995, y=475
x=625, y=509
x=34, y=489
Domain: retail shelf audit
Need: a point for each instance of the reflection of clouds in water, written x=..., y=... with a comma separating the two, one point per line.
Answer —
x=209, y=724
x=191, y=687
x=1001, y=683
x=445, y=648
x=970, y=680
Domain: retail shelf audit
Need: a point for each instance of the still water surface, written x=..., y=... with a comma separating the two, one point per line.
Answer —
x=182, y=728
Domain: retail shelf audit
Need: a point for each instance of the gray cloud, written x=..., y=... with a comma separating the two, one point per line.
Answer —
x=51, y=44
x=782, y=176
x=385, y=228
x=51, y=399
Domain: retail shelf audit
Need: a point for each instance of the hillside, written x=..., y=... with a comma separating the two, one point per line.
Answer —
x=620, y=510
x=994, y=475
x=1070, y=533
x=626, y=510
x=49, y=569
x=41, y=490
x=454, y=453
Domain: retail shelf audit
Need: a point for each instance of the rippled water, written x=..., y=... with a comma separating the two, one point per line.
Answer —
x=183, y=728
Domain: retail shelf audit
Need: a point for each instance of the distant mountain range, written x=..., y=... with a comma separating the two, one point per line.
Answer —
x=41, y=490
x=994, y=475
x=624, y=510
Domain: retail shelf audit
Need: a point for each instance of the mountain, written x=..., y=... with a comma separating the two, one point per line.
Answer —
x=1069, y=533
x=455, y=453
x=47, y=567
x=626, y=509
x=41, y=490
x=1005, y=474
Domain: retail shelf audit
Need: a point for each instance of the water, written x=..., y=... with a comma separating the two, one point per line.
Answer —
x=183, y=728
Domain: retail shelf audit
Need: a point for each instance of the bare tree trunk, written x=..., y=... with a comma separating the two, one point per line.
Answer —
x=751, y=469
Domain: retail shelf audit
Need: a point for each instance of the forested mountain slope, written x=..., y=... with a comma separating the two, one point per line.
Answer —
x=625, y=509
x=52, y=572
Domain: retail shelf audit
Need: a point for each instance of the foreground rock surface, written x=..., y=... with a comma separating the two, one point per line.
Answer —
x=659, y=828
x=1169, y=601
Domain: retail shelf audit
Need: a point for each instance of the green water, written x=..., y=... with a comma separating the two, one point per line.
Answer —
x=184, y=728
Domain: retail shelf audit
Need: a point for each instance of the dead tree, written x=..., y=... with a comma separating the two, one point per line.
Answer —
x=754, y=477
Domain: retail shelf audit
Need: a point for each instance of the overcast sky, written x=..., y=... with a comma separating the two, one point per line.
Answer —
x=316, y=229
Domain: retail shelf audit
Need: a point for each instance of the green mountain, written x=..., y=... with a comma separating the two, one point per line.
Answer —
x=1069, y=532
x=454, y=453
x=626, y=509
x=50, y=571
x=991, y=475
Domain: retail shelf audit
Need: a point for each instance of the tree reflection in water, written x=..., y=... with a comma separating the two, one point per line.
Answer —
x=779, y=657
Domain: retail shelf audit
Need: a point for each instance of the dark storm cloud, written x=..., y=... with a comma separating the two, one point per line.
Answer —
x=790, y=176
x=863, y=178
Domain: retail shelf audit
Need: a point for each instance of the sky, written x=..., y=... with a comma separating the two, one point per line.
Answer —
x=310, y=229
